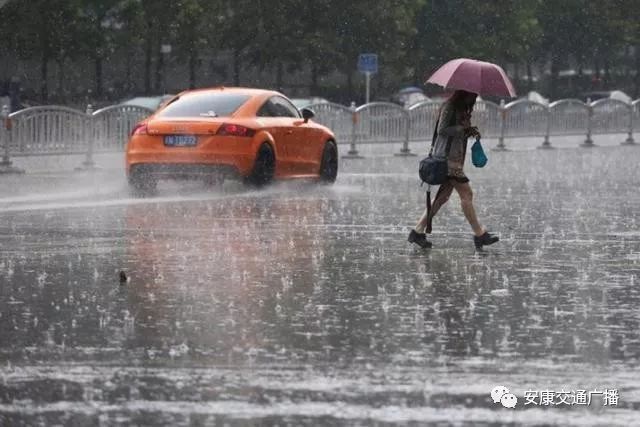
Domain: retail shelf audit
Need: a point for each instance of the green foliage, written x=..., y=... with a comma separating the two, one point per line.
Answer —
x=411, y=37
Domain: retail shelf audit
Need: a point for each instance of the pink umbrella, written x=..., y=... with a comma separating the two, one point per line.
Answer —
x=483, y=78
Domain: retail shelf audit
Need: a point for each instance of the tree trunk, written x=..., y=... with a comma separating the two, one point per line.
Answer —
x=420, y=51
x=44, y=64
x=159, y=86
x=627, y=63
x=128, y=84
x=44, y=75
x=553, y=81
x=193, y=65
x=350, y=85
x=607, y=73
x=314, y=78
x=98, y=64
x=147, y=61
x=236, y=67
x=100, y=50
x=61, y=79
x=279, y=72
x=596, y=77
x=637, y=77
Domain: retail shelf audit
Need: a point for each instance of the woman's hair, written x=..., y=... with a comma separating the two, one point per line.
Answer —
x=459, y=100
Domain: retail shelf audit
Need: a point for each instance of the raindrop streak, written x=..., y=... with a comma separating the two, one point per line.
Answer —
x=304, y=304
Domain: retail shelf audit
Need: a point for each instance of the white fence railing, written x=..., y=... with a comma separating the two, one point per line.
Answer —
x=111, y=126
x=388, y=123
x=60, y=130
x=47, y=130
x=55, y=129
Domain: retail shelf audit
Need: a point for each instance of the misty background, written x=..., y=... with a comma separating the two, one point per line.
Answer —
x=75, y=52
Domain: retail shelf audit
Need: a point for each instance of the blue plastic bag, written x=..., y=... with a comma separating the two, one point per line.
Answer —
x=478, y=158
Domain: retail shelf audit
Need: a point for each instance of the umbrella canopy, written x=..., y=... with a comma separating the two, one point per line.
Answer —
x=483, y=78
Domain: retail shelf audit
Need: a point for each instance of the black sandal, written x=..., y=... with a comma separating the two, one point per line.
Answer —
x=419, y=239
x=485, y=240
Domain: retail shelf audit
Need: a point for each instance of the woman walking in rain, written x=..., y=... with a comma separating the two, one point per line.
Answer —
x=454, y=128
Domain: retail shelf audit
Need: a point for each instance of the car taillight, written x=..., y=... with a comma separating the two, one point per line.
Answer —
x=228, y=129
x=140, y=129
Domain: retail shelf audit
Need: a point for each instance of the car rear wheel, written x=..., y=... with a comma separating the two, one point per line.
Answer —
x=264, y=167
x=140, y=181
x=329, y=165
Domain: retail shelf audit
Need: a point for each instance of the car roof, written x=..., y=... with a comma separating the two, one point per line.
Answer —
x=248, y=109
x=237, y=90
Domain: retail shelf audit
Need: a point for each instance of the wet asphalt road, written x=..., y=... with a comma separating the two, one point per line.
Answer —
x=304, y=305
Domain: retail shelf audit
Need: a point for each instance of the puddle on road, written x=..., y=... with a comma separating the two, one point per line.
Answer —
x=305, y=305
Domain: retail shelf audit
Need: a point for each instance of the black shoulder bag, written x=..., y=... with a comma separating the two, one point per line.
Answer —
x=433, y=169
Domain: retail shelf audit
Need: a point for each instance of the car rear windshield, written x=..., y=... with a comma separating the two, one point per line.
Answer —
x=204, y=105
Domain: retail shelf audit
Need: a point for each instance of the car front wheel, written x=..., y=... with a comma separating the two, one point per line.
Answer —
x=329, y=164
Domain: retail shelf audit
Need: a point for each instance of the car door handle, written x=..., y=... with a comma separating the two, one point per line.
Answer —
x=289, y=132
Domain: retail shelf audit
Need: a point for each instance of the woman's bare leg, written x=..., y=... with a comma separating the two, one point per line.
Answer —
x=443, y=194
x=466, y=201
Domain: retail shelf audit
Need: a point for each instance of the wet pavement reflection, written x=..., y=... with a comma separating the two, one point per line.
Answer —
x=304, y=305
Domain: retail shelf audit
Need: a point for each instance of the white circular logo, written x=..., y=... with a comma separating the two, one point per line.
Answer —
x=497, y=392
x=501, y=394
x=509, y=400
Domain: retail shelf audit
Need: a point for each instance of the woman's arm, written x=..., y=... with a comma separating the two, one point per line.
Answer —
x=446, y=117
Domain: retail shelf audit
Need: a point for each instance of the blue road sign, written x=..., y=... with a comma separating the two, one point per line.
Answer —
x=368, y=63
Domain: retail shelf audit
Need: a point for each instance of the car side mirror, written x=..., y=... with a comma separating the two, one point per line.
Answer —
x=307, y=114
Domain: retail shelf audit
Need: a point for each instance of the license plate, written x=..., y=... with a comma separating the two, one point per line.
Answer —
x=180, y=140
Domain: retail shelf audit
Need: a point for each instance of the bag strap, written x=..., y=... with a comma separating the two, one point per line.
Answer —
x=447, y=149
x=435, y=132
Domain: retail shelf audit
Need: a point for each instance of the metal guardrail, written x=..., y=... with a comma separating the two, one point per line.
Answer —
x=111, y=126
x=380, y=122
x=336, y=117
x=47, y=130
x=50, y=130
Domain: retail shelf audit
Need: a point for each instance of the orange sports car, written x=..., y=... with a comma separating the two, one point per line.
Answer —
x=255, y=135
